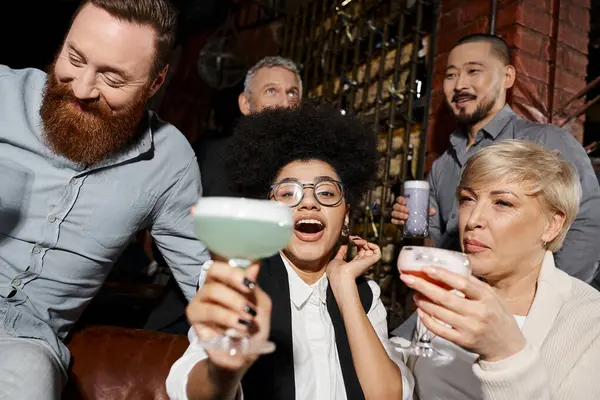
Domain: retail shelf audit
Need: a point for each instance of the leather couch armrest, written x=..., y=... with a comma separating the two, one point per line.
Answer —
x=115, y=363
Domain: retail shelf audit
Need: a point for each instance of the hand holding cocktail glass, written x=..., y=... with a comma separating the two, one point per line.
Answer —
x=230, y=302
x=242, y=231
x=414, y=264
x=458, y=307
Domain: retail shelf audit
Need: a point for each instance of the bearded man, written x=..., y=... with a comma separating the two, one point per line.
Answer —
x=84, y=165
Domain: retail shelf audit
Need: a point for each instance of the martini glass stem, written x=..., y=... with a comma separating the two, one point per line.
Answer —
x=232, y=334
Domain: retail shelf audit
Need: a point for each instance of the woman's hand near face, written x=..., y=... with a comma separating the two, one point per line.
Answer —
x=480, y=322
x=229, y=299
x=367, y=255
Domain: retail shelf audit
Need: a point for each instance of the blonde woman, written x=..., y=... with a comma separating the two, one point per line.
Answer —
x=525, y=330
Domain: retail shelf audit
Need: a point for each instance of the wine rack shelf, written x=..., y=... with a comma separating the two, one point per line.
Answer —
x=373, y=58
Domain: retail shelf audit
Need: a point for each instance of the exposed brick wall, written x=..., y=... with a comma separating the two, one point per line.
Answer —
x=542, y=33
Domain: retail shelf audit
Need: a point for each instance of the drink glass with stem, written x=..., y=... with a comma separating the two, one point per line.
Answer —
x=242, y=231
x=411, y=261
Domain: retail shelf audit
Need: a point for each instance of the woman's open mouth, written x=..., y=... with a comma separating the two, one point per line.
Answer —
x=309, y=229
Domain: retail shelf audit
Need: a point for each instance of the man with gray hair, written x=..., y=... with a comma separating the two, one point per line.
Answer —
x=274, y=81
x=271, y=82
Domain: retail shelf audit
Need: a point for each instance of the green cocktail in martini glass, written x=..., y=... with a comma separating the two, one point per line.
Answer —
x=242, y=231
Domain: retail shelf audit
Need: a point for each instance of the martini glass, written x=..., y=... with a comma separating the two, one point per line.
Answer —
x=242, y=231
x=411, y=261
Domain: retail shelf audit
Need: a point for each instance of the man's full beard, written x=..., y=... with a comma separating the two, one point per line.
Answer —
x=91, y=134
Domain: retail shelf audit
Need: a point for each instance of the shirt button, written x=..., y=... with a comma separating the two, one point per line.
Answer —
x=37, y=250
x=51, y=218
x=15, y=283
x=73, y=181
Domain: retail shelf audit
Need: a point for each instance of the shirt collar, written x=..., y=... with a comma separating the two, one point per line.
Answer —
x=301, y=291
x=493, y=128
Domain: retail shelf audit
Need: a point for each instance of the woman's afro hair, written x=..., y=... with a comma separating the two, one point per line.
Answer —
x=267, y=141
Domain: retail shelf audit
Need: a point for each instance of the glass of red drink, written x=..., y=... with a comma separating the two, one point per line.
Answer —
x=411, y=261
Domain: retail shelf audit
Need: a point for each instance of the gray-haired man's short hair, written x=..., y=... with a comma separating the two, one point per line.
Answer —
x=270, y=62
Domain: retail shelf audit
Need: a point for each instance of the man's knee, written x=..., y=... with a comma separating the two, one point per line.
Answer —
x=28, y=369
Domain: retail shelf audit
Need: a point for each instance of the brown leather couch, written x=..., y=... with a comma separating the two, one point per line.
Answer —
x=116, y=363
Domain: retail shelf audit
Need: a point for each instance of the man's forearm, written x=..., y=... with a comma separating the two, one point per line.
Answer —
x=210, y=382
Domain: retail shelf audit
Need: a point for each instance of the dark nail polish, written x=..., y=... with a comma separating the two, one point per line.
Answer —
x=246, y=323
x=250, y=311
x=249, y=284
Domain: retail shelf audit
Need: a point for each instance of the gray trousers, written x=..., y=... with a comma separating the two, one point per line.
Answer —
x=28, y=370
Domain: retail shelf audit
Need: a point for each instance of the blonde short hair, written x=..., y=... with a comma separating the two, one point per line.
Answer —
x=546, y=174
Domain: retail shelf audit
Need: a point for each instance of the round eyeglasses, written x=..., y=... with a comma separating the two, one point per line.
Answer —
x=328, y=193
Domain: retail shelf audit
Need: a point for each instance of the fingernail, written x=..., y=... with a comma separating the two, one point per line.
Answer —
x=245, y=323
x=430, y=270
x=250, y=311
x=249, y=284
x=407, y=278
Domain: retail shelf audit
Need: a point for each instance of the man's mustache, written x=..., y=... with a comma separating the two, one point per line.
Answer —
x=65, y=94
x=459, y=95
x=92, y=107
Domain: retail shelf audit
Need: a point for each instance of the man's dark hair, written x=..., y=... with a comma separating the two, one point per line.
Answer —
x=267, y=141
x=159, y=14
x=500, y=48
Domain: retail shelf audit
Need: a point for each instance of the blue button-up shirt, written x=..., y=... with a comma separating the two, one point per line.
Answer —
x=62, y=226
x=580, y=252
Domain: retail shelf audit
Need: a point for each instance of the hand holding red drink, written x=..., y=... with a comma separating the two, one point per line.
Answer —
x=412, y=264
x=477, y=319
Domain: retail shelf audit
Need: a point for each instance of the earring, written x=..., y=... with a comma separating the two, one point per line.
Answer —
x=345, y=231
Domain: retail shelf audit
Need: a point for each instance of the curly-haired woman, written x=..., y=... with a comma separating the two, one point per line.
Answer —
x=327, y=321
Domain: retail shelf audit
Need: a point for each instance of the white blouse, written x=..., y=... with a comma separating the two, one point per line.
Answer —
x=317, y=370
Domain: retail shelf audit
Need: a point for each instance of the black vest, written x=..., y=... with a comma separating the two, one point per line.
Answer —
x=272, y=375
